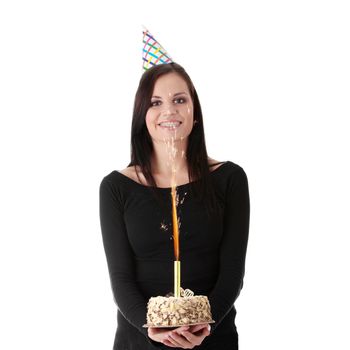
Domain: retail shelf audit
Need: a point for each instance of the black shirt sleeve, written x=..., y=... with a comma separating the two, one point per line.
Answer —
x=233, y=247
x=120, y=260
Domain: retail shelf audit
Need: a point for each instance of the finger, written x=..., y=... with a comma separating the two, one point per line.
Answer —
x=179, y=339
x=182, y=328
x=198, y=327
x=173, y=341
x=207, y=329
x=169, y=343
x=155, y=330
x=195, y=339
x=189, y=336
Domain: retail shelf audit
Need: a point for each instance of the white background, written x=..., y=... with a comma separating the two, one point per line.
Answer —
x=273, y=79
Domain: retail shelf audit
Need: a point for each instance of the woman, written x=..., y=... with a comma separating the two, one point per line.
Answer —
x=135, y=215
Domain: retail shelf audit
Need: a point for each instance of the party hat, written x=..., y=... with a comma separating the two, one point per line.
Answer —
x=153, y=53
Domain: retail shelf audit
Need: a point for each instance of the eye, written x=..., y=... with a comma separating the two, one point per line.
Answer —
x=180, y=100
x=155, y=103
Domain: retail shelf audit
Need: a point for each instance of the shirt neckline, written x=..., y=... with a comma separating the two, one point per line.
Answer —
x=168, y=188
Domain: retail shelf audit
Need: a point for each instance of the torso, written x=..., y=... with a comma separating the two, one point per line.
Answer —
x=182, y=178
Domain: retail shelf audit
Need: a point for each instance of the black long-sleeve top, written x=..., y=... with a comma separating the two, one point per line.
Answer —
x=137, y=239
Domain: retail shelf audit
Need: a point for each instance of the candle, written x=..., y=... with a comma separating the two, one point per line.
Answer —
x=177, y=267
x=172, y=150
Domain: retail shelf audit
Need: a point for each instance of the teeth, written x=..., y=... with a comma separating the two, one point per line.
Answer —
x=170, y=124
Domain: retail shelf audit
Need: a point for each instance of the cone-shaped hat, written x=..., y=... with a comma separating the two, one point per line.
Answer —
x=153, y=53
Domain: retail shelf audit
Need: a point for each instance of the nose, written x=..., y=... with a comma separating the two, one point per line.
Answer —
x=169, y=109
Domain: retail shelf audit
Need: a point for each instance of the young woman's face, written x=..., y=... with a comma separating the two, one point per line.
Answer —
x=171, y=112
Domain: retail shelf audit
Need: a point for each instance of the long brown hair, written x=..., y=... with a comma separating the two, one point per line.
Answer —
x=141, y=142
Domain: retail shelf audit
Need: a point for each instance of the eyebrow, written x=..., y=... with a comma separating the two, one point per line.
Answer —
x=178, y=93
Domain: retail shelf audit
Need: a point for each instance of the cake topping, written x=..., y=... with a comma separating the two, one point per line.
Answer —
x=185, y=310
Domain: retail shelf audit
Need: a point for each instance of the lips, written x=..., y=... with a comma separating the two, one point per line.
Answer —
x=170, y=124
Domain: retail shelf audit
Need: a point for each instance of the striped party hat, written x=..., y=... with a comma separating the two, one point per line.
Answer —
x=153, y=53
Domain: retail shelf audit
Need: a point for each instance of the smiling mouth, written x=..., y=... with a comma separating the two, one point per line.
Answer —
x=170, y=125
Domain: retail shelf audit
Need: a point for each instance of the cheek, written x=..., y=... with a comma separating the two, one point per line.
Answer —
x=149, y=119
x=188, y=110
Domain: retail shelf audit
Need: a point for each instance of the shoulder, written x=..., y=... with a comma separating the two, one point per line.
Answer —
x=234, y=167
x=109, y=183
x=129, y=171
x=231, y=166
x=236, y=176
x=214, y=164
x=230, y=174
x=123, y=180
x=114, y=180
x=228, y=165
x=116, y=175
x=134, y=173
x=115, y=187
x=235, y=170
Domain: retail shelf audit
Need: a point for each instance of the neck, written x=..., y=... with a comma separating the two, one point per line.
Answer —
x=169, y=156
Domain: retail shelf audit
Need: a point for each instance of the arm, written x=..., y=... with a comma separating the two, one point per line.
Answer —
x=120, y=260
x=233, y=248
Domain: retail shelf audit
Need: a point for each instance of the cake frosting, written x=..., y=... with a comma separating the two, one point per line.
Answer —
x=170, y=311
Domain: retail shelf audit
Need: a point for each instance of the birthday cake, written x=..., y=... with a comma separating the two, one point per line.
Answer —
x=178, y=311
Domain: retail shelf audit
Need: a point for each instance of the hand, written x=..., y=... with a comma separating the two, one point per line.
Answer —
x=162, y=334
x=187, y=339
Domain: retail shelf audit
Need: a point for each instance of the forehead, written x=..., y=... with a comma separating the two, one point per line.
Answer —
x=170, y=83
